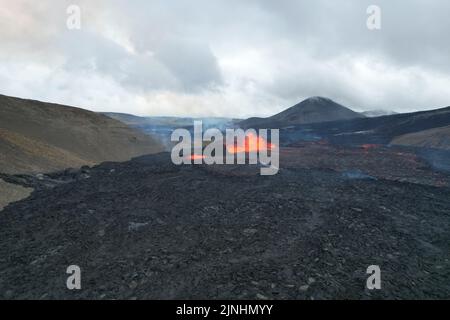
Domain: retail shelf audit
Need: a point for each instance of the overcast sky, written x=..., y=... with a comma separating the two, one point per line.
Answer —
x=234, y=58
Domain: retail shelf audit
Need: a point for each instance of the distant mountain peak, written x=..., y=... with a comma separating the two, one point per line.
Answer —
x=318, y=109
x=318, y=99
x=312, y=110
x=316, y=103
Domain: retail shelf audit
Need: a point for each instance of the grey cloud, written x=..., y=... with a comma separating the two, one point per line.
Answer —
x=413, y=32
x=177, y=66
x=221, y=53
x=193, y=62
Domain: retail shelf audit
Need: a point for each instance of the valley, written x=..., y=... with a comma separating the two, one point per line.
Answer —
x=344, y=198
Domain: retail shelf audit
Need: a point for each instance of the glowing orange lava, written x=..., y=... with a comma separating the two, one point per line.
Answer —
x=253, y=143
x=369, y=146
x=197, y=156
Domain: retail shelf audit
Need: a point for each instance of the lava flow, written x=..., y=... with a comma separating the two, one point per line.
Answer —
x=197, y=156
x=253, y=143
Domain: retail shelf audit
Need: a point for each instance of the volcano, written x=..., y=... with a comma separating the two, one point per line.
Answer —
x=312, y=110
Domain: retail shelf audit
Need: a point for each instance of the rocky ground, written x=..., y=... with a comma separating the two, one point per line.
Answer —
x=149, y=229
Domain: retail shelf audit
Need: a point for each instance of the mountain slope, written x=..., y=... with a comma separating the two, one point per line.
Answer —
x=162, y=127
x=312, y=110
x=438, y=138
x=380, y=130
x=42, y=137
x=12, y=192
x=377, y=113
x=174, y=122
x=22, y=154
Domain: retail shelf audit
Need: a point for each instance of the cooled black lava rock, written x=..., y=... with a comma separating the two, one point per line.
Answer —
x=149, y=229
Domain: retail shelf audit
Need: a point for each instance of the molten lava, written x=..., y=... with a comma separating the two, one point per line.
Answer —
x=253, y=143
x=369, y=146
x=197, y=156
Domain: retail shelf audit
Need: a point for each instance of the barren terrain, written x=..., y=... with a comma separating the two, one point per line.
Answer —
x=38, y=137
x=149, y=229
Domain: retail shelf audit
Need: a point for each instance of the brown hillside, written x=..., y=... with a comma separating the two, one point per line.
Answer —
x=42, y=137
x=438, y=138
